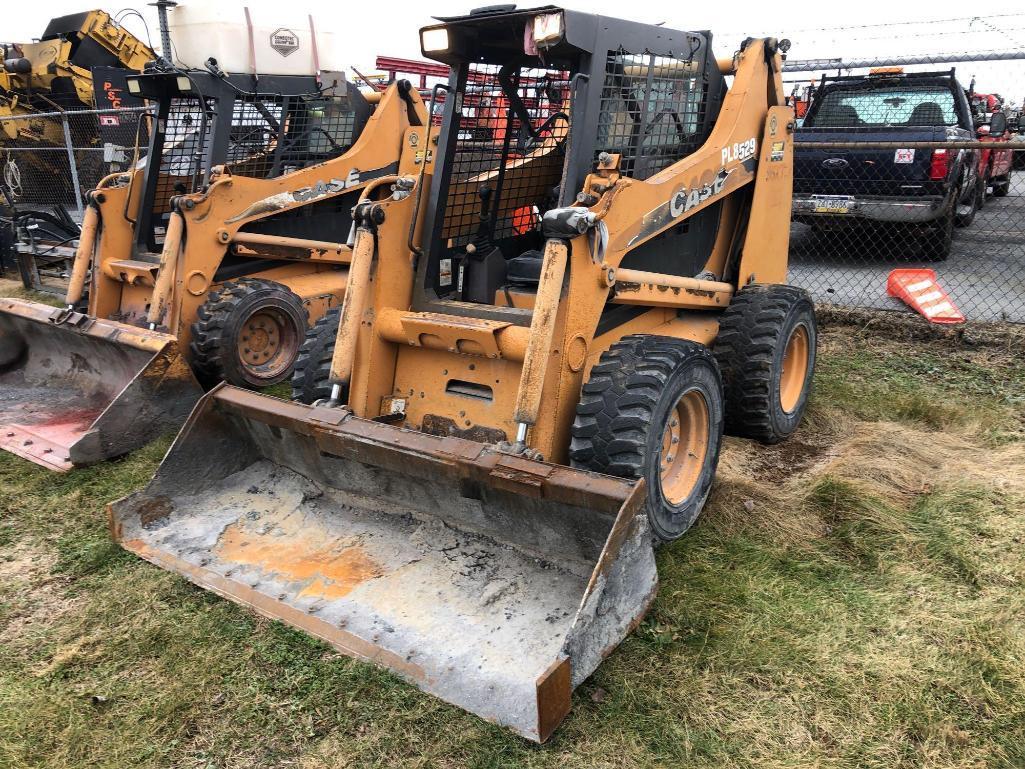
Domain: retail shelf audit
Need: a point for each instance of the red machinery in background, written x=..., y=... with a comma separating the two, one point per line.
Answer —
x=995, y=165
x=485, y=107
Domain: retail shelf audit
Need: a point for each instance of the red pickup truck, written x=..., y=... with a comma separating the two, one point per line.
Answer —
x=995, y=165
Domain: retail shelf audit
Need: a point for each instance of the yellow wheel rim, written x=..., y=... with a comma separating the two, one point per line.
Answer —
x=684, y=446
x=795, y=369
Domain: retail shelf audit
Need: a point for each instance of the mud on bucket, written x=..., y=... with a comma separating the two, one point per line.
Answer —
x=493, y=582
x=76, y=390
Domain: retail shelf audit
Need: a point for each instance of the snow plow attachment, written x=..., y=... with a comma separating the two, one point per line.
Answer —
x=76, y=390
x=494, y=582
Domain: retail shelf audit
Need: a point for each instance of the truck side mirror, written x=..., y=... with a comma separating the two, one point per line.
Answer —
x=997, y=124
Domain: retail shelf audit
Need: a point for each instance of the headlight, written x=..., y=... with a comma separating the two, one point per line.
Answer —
x=184, y=84
x=434, y=40
x=134, y=86
x=547, y=29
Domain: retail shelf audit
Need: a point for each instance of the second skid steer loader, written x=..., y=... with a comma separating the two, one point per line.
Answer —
x=545, y=332
x=216, y=284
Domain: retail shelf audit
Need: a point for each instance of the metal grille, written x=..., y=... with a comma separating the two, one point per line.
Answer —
x=269, y=136
x=652, y=111
x=186, y=143
x=274, y=136
x=255, y=125
x=509, y=153
x=316, y=129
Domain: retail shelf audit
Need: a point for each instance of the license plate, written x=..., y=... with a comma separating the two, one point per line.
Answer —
x=832, y=204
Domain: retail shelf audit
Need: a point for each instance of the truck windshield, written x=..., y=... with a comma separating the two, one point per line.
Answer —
x=884, y=107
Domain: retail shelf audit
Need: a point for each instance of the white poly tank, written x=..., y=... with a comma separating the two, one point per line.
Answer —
x=283, y=42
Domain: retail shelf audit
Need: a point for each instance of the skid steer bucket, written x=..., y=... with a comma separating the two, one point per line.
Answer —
x=76, y=390
x=494, y=582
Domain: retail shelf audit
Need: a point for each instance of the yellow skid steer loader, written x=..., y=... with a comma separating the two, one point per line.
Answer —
x=545, y=332
x=196, y=288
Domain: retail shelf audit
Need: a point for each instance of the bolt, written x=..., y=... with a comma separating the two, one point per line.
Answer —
x=669, y=458
x=675, y=440
x=675, y=423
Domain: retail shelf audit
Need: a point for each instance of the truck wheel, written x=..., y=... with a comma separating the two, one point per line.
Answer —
x=248, y=333
x=766, y=351
x=313, y=367
x=652, y=409
x=938, y=239
x=965, y=209
x=1002, y=187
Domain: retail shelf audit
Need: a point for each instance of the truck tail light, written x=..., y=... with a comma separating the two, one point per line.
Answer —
x=940, y=164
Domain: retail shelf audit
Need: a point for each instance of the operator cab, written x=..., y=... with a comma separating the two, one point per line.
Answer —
x=534, y=98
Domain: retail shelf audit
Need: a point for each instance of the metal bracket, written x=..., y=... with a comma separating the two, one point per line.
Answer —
x=69, y=317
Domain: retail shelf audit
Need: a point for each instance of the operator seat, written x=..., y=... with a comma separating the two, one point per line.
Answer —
x=525, y=269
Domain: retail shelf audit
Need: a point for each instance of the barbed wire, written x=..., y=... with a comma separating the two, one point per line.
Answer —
x=924, y=35
x=878, y=25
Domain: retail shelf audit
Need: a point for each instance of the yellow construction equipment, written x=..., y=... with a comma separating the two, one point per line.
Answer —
x=217, y=285
x=56, y=71
x=52, y=74
x=546, y=327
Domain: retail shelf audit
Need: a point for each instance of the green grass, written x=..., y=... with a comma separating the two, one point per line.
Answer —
x=13, y=288
x=916, y=381
x=866, y=609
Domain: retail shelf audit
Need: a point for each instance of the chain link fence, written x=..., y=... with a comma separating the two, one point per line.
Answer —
x=912, y=163
x=47, y=162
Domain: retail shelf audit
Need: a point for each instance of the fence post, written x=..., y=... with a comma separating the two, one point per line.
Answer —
x=73, y=166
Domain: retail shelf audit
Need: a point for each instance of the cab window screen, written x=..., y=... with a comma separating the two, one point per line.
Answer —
x=509, y=152
x=652, y=111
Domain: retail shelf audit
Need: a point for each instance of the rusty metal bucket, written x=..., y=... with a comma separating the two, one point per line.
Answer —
x=76, y=390
x=491, y=581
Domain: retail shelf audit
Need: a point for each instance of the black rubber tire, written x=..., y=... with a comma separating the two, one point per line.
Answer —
x=753, y=335
x=938, y=240
x=219, y=324
x=966, y=218
x=1001, y=188
x=623, y=411
x=312, y=372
